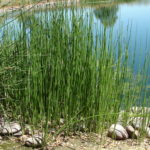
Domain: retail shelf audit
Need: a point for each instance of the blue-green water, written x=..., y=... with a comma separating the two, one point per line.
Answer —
x=130, y=19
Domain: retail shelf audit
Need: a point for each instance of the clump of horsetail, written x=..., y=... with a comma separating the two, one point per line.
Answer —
x=54, y=66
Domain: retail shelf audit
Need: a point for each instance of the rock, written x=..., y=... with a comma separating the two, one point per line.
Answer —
x=34, y=141
x=130, y=130
x=9, y=128
x=18, y=134
x=117, y=131
x=147, y=129
x=1, y=138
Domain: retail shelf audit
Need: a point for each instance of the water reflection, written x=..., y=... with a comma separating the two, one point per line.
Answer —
x=107, y=15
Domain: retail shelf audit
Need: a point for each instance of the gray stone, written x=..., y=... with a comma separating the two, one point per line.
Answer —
x=9, y=128
x=117, y=131
x=34, y=141
x=134, y=134
x=130, y=130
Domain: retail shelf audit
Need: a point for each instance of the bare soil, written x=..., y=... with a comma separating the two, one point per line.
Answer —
x=97, y=142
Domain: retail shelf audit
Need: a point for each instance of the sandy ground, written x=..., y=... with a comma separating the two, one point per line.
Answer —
x=81, y=141
x=97, y=142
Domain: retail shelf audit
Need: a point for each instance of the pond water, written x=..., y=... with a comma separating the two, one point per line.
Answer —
x=130, y=18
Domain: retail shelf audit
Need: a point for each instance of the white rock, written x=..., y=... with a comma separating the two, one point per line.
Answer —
x=1, y=138
x=34, y=141
x=9, y=128
x=117, y=131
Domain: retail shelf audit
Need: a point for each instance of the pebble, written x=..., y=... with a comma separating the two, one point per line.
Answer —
x=118, y=132
x=34, y=141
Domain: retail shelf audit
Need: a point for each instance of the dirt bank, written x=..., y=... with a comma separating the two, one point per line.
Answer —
x=41, y=4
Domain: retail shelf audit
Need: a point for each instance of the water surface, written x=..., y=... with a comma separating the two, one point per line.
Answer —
x=130, y=19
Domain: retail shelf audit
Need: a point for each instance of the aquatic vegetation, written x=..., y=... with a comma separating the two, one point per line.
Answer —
x=55, y=67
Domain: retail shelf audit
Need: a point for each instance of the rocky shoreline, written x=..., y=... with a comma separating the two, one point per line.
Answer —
x=133, y=129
